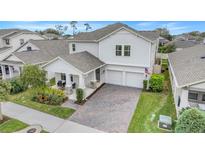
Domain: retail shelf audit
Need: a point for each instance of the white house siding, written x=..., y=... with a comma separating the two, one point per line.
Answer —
x=198, y=87
x=15, y=41
x=88, y=78
x=140, y=49
x=125, y=75
x=24, y=48
x=90, y=47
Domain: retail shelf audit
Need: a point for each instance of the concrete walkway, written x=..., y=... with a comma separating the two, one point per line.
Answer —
x=48, y=122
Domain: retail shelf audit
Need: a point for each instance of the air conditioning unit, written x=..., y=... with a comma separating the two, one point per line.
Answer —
x=93, y=84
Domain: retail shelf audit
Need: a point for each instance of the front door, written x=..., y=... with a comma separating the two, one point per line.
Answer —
x=97, y=72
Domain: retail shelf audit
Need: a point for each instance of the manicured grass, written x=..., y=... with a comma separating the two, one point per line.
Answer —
x=12, y=125
x=150, y=106
x=24, y=98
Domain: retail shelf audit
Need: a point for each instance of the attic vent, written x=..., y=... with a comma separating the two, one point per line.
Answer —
x=203, y=57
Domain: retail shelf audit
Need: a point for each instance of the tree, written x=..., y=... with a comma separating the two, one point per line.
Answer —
x=33, y=76
x=73, y=26
x=50, y=30
x=191, y=121
x=87, y=27
x=164, y=32
x=167, y=48
x=61, y=29
x=5, y=88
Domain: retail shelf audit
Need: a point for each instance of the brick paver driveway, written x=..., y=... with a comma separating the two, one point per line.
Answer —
x=110, y=109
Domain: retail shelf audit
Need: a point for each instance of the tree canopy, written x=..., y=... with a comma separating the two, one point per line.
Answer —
x=191, y=121
x=164, y=32
x=34, y=76
x=5, y=88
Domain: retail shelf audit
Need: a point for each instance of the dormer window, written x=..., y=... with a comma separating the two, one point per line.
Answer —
x=7, y=41
x=29, y=48
x=21, y=41
x=73, y=47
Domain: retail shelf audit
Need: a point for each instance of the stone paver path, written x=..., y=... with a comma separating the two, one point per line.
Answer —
x=110, y=109
x=71, y=104
x=48, y=122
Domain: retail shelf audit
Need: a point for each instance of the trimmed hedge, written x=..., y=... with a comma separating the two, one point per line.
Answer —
x=191, y=121
x=156, y=82
x=49, y=96
x=79, y=95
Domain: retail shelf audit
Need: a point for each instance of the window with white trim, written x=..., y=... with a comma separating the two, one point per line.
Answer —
x=118, y=50
x=29, y=48
x=7, y=41
x=73, y=47
x=127, y=50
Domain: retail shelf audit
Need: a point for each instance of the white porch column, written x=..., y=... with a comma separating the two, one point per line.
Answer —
x=3, y=72
x=11, y=75
x=81, y=81
x=94, y=75
x=68, y=81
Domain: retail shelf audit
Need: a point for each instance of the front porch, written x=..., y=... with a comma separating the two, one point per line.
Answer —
x=89, y=82
x=9, y=71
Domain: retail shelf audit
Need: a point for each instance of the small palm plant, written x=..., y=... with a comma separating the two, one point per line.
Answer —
x=5, y=88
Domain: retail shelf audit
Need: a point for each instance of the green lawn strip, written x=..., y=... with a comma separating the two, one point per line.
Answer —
x=12, y=125
x=24, y=98
x=150, y=106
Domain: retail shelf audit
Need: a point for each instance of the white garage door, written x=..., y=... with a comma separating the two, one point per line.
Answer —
x=114, y=77
x=134, y=79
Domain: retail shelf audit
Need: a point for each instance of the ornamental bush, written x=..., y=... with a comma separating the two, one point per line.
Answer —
x=17, y=86
x=191, y=121
x=156, y=82
x=48, y=95
x=79, y=95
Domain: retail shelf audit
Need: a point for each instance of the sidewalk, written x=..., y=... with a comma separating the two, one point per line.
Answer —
x=48, y=122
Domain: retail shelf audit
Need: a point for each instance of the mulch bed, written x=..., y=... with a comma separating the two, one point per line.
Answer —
x=4, y=119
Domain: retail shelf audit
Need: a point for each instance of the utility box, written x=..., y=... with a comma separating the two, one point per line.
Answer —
x=165, y=122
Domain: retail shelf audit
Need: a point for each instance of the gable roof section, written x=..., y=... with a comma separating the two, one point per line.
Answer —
x=83, y=61
x=4, y=49
x=187, y=65
x=183, y=43
x=103, y=32
x=48, y=49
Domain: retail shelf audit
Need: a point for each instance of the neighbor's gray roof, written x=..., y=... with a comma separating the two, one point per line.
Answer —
x=183, y=43
x=3, y=49
x=188, y=66
x=7, y=33
x=48, y=49
x=100, y=33
x=84, y=61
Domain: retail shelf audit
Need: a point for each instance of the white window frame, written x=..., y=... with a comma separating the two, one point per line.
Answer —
x=128, y=51
x=116, y=50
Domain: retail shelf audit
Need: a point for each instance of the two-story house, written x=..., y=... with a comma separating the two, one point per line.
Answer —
x=11, y=40
x=116, y=54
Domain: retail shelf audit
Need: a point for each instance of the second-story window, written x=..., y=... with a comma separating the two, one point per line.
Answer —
x=7, y=41
x=127, y=50
x=73, y=47
x=29, y=48
x=118, y=50
x=21, y=41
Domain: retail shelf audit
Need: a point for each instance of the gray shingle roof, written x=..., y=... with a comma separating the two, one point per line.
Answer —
x=187, y=64
x=48, y=49
x=183, y=43
x=84, y=61
x=100, y=33
x=7, y=33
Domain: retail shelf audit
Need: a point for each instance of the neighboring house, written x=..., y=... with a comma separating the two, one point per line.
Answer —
x=115, y=54
x=163, y=41
x=181, y=44
x=187, y=77
x=11, y=40
x=52, y=36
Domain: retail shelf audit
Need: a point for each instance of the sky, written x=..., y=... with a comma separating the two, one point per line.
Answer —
x=175, y=27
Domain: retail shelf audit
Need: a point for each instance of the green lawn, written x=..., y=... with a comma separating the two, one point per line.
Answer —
x=24, y=98
x=150, y=106
x=12, y=125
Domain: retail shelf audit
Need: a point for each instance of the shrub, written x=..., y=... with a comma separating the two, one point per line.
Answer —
x=48, y=96
x=191, y=121
x=17, y=86
x=79, y=95
x=156, y=82
x=52, y=81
